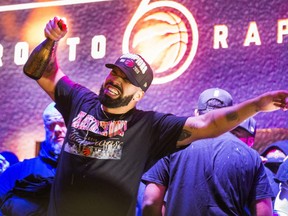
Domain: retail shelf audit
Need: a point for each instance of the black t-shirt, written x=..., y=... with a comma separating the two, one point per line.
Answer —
x=103, y=159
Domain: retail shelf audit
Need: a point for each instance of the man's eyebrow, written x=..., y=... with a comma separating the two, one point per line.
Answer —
x=121, y=74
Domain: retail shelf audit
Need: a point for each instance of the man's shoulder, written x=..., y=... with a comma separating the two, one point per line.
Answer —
x=228, y=137
x=24, y=163
x=231, y=143
x=148, y=114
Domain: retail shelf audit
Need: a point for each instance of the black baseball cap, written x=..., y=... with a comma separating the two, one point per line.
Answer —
x=249, y=125
x=281, y=145
x=137, y=70
x=214, y=93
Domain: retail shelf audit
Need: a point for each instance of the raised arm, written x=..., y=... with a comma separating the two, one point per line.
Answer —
x=43, y=59
x=217, y=122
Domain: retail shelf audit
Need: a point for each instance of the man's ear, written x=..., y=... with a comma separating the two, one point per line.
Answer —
x=138, y=95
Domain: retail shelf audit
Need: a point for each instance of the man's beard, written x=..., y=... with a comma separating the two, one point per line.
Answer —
x=52, y=146
x=113, y=103
x=56, y=148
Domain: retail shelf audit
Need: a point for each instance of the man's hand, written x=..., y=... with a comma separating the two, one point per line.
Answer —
x=56, y=28
x=271, y=101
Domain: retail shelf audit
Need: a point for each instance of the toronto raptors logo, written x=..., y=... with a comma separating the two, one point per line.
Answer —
x=165, y=33
x=129, y=63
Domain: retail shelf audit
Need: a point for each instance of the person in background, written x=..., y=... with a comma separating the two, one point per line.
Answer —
x=246, y=132
x=281, y=177
x=7, y=158
x=219, y=176
x=110, y=143
x=275, y=154
x=4, y=164
x=25, y=186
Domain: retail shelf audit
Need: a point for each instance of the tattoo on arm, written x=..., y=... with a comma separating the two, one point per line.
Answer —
x=52, y=65
x=184, y=135
x=232, y=116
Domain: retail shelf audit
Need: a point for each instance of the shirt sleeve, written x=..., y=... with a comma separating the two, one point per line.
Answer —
x=159, y=173
x=69, y=94
x=167, y=128
x=262, y=187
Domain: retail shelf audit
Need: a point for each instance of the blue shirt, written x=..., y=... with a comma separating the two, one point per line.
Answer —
x=217, y=176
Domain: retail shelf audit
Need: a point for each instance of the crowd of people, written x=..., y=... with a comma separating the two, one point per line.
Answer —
x=207, y=165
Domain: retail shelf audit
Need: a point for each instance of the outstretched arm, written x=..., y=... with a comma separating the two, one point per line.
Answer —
x=217, y=122
x=45, y=61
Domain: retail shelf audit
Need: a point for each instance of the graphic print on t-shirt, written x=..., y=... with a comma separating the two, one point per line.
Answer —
x=98, y=139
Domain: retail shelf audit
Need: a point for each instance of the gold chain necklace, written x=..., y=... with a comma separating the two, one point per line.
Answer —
x=120, y=117
x=104, y=111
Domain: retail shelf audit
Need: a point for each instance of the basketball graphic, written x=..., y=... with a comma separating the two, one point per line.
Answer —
x=165, y=34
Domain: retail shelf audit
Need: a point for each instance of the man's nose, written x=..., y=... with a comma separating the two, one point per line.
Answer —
x=57, y=128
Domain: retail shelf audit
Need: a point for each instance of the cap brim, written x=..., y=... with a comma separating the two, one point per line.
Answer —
x=127, y=73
